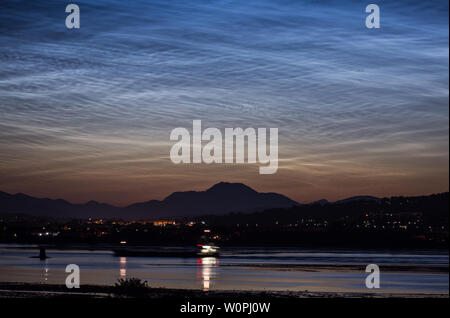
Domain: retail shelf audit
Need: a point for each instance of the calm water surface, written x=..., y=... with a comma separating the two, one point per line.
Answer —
x=275, y=270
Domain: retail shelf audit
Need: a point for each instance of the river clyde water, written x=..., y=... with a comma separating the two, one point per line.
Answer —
x=238, y=269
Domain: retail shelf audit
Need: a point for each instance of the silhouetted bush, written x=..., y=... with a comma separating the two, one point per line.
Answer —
x=131, y=287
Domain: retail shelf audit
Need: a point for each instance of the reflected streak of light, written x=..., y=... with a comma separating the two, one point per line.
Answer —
x=46, y=269
x=123, y=266
x=208, y=271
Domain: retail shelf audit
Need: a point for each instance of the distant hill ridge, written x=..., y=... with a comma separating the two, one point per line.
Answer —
x=220, y=199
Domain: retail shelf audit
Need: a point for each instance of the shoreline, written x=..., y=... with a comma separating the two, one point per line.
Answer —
x=232, y=249
x=387, y=268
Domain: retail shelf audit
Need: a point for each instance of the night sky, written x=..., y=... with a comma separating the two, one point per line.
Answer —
x=86, y=114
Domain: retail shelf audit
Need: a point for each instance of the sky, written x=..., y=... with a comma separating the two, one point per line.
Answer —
x=86, y=114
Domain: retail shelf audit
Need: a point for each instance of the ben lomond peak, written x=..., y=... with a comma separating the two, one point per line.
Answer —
x=230, y=187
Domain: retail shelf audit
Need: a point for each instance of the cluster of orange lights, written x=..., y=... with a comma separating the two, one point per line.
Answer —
x=163, y=223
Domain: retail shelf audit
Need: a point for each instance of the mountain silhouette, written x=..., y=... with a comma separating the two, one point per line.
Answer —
x=25, y=204
x=358, y=198
x=321, y=202
x=221, y=198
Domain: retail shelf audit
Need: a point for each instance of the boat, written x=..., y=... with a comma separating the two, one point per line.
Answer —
x=139, y=251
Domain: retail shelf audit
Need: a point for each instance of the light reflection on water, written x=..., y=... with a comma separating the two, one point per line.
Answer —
x=46, y=270
x=207, y=267
x=268, y=270
x=123, y=267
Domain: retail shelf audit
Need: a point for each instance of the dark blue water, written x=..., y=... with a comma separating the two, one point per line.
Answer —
x=270, y=270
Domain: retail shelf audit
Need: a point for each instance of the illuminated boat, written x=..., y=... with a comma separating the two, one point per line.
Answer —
x=207, y=250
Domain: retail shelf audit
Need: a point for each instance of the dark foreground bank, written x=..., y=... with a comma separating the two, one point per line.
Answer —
x=57, y=300
x=25, y=290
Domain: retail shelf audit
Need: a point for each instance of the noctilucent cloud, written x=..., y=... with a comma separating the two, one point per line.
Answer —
x=87, y=113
